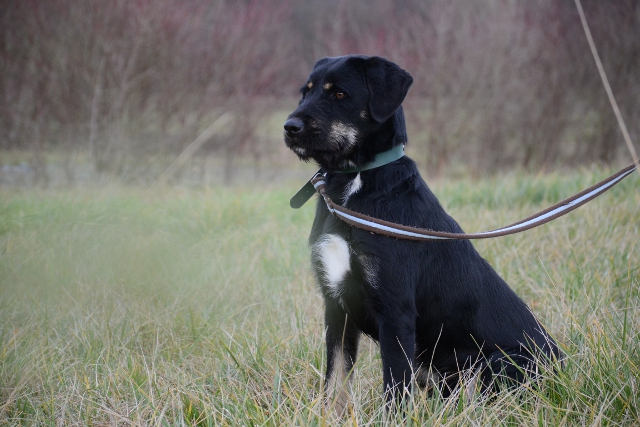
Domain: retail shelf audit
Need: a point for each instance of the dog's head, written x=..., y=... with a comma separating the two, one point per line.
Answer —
x=350, y=110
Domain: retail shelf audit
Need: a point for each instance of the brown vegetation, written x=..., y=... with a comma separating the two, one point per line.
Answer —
x=132, y=83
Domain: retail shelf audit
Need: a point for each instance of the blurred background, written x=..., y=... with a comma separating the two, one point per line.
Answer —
x=196, y=91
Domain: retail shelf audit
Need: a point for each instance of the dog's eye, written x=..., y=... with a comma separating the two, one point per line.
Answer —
x=340, y=95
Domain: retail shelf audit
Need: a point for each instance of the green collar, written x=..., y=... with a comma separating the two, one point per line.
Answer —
x=381, y=159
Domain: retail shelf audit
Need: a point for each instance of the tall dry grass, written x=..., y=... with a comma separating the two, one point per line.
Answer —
x=198, y=307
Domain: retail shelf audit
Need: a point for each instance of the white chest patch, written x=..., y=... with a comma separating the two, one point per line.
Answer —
x=333, y=253
x=342, y=135
x=352, y=188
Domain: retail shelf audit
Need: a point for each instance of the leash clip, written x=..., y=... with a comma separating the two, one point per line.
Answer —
x=305, y=193
x=319, y=185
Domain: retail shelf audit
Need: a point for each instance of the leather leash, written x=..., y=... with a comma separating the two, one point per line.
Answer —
x=399, y=231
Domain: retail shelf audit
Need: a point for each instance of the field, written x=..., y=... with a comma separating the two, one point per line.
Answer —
x=169, y=306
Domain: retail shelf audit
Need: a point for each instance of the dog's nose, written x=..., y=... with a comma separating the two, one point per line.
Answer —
x=293, y=125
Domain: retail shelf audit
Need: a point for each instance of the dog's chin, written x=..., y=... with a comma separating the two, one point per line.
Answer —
x=327, y=159
x=301, y=153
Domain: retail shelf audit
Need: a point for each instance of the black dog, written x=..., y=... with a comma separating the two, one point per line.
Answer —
x=438, y=309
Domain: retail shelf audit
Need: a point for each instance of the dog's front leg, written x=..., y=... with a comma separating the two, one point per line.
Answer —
x=397, y=348
x=342, y=349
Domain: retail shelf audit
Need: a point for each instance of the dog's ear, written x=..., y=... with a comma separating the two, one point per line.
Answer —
x=320, y=62
x=388, y=85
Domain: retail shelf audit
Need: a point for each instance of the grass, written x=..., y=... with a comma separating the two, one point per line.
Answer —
x=123, y=306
